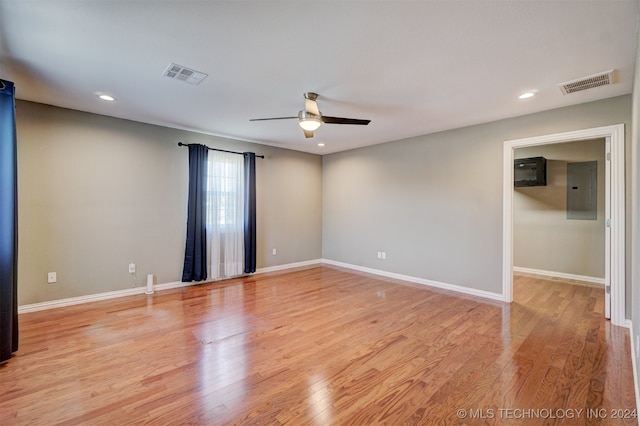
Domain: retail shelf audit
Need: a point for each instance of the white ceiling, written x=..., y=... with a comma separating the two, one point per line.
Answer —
x=412, y=67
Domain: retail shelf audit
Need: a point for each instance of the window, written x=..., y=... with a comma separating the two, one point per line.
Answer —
x=225, y=190
x=225, y=214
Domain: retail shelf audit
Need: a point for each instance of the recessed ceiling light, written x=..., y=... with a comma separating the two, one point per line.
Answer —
x=107, y=98
x=320, y=144
x=527, y=95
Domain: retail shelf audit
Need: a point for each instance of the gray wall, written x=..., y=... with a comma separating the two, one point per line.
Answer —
x=96, y=193
x=543, y=237
x=434, y=202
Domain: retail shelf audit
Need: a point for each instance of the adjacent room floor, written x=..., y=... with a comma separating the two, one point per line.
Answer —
x=323, y=346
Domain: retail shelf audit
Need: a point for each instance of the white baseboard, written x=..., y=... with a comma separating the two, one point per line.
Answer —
x=79, y=299
x=288, y=266
x=177, y=284
x=634, y=366
x=415, y=280
x=60, y=303
x=561, y=275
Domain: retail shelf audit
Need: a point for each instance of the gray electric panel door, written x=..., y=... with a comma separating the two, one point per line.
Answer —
x=582, y=190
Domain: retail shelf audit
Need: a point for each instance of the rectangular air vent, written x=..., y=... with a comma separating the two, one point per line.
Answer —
x=585, y=83
x=188, y=75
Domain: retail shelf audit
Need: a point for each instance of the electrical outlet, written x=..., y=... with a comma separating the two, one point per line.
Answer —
x=52, y=277
x=379, y=255
x=384, y=255
x=132, y=268
x=274, y=251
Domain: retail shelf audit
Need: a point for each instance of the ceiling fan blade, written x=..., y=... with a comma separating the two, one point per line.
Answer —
x=307, y=134
x=342, y=120
x=310, y=104
x=273, y=118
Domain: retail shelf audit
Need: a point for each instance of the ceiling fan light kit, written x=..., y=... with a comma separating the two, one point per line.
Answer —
x=310, y=117
x=309, y=121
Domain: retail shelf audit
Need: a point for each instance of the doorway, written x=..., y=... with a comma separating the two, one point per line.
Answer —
x=614, y=211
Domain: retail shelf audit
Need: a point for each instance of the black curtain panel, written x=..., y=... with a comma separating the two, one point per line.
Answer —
x=8, y=223
x=249, y=212
x=195, y=252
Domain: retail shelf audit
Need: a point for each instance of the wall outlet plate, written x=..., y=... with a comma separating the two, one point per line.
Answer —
x=52, y=277
x=132, y=268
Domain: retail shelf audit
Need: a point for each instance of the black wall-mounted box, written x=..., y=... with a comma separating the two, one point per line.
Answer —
x=530, y=171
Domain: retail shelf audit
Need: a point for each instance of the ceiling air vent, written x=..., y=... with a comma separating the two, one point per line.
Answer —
x=178, y=72
x=585, y=83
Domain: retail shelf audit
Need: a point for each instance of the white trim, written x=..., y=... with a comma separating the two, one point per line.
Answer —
x=507, y=223
x=634, y=366
x=616, y=274
x=288, y=266
x=607, y=229
x=176, y=284
x=561, y=275
x=451, y=287
x=60, y=303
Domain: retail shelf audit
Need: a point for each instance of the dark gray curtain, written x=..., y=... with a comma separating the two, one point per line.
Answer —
x=8, y=223
x=195, y=252
x=249, y=212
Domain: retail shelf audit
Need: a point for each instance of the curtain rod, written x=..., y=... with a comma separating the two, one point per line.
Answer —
x=216, y=149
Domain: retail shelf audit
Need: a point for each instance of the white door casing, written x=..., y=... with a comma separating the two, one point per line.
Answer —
x=615, y=195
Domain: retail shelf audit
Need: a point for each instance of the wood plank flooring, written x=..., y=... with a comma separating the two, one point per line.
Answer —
x=322, y=346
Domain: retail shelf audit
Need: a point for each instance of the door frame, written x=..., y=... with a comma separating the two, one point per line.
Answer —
x=615, y=245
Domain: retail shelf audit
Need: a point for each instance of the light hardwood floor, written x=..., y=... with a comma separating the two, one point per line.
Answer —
x=322, y=346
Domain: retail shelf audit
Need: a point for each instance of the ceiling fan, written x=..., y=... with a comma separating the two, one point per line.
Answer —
x=310, y=117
